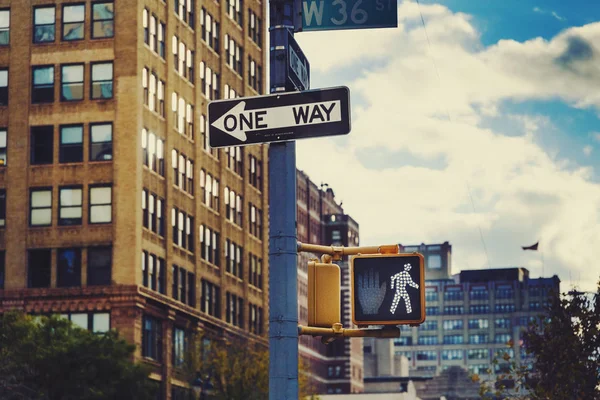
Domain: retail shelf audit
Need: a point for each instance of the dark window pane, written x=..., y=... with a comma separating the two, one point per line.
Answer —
x=99, y=265
x=42, y=139
x=69, y=268
x=2, y=269
x=3, y=87
x=71, y=144
x=39, y=268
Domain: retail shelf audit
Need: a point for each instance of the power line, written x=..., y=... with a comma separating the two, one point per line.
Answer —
x=429, y=51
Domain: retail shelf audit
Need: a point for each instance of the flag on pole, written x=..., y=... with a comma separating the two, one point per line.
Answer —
x=532, y=247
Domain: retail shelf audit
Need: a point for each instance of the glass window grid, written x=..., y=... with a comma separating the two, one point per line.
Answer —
x=43, y=209
x=103, y=24
x=73, y=27
x=97, y=205
x=101, y=84
x=101, y=141
x=71, y=205
x=44, y=26
x=4, y=27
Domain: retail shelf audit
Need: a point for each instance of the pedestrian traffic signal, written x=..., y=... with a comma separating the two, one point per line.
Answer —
x=323, y=294
x=388, y=289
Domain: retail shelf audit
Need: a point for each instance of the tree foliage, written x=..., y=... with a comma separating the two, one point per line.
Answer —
x=565, y=345
x=233, y=369
x=49, y=358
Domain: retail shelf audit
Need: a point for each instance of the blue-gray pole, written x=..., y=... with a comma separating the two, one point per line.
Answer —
x=283, y=293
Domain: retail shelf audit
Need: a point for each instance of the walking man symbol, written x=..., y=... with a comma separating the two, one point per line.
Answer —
x=400, y=280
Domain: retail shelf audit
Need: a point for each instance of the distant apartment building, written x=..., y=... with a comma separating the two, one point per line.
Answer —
x=471, y=318
x=337, y=367
x=114, y=210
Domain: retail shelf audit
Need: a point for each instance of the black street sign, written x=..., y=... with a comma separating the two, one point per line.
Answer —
x=298, y=66
x=279, y=117
x=388, y=289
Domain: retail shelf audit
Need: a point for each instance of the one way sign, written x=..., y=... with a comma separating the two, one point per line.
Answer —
x=279, y=117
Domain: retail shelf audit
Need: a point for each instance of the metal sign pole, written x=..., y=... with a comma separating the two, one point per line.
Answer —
x=283, y=285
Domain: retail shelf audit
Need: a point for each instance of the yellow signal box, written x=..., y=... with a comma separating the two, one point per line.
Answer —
x=388, y=289
x=323, y=294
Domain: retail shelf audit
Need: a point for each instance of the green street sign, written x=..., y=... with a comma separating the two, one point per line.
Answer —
x=326, y=15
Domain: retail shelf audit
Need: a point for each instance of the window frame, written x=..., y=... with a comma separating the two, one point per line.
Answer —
x=72, y=83
x=5, y=28
x=94, y=20
x=101, y=82
x=46, y=268
x=33, y=145
x=91, y=204
x=62, y=148
x=63, y=24
x=102, y=269
x=35, y=25
x=3, y=147
x=31, y=208
x=93, y=143
x=76, y=221
x=4, y=89
x=77, y=279
x=36, y=88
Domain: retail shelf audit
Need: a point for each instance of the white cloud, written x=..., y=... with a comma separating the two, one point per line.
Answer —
x=553, y=13
x=520, y=193
x=587, y=150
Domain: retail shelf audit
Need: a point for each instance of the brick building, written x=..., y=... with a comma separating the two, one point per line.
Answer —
x=337, y=367
x=114, y=211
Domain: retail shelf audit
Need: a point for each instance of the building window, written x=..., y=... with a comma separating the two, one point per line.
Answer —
x=255, y=220
x=3, y=87
x=70, y=206
x=209, y=245
x=153, y=152
x=209, y=81
x=184, y=59
x=234, y=54
x=480, y=338
x=153, y=272
x=453, y=293
x=210, y=30
x=432, y=310
x=152, y=338
x=42, y=145
x=233, y=206
x=505, y=292
x=478, y=294
x=71, y=144
x=183, y=225
x=504, y=308
x=102, y=80
x=210, y=302
x=453, y=310
x=42, y=90
x=426, y=355
x=2, y=208
x=210, y=190
x=44, y=24
x=235, y=310
x=502, y=338
x=183, y=169
x=434, y=261
x=479, y=309
x=453, y=339
x=233, y=259
x=179, y=347
x=427, y=340
x=41, y=207
x=94, y=322
x=479, y=324
x=235, y=160
x=99, y=266
x=101, y=142
x=73, y=19
x=453, y=324
x=103, y=16
x=153, y=213
x=100, y=204
x=4, y=27
x=235, y=11
x=452, y=354
x=38, y=267
x=184, y=9
x=68, y=264
x=184, y=286
x=430, y=325
x=502, y=323
x=255, y=273
x=3, y=138
x=255, y=172
x=255, y=28
x=403, y=341
x=477, y=354
x=256, y=319
x=2, y=268
x=71, y=82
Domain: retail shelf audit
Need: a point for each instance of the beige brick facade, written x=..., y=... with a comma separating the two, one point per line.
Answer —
x=132, y=295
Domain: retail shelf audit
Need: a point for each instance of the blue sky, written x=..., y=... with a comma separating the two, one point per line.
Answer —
x=492, y=126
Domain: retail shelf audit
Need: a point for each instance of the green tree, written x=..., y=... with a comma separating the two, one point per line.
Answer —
x=49, y=358
x=565, y=345
x=233, y=369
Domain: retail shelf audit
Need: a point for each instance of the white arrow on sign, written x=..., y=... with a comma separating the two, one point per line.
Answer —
x=238, y=121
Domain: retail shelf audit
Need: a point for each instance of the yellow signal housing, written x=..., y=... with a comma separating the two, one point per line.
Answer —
x=323, y=294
